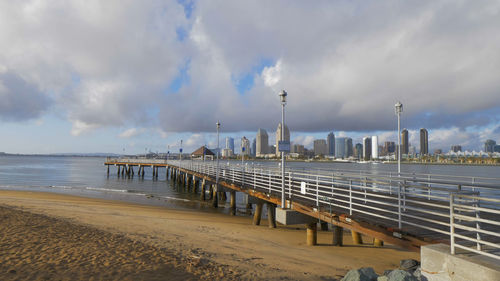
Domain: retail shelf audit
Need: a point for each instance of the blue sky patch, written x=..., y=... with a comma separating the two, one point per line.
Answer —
x=245, y=82
x=188, y=6
x=181, y=79
x=181, y=33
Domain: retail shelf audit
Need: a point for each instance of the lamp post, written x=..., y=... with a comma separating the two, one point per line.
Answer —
x=215, y=196
x=282, y=95
x=399, y=109
x=180, y=155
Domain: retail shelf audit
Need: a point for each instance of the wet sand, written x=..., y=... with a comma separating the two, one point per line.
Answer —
x=49, y=236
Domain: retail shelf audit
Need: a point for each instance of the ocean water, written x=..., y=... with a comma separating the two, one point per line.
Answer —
x=86, y=176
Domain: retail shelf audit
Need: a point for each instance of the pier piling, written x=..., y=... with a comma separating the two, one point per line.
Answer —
x=215, y=197
x=271, y=215
x=377, y=242
x=233, y=203
x=356, y=238
x=324, y=226
x=258, y=213
x=312, y=234
x=338, y=235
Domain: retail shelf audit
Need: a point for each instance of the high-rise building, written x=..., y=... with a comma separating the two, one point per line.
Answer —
x=245, y=146
x=340, y=148
x=358, y=151
x=456, y=148
x=230, y=143
x=320, y=147
x=367, y=148
x=253, y=148
x=298, y=148
x=389, y=147
x=405, y=146
x=497, y=148
x=348, y=147
x=330, y=142
x=424, y=142
x=278, y=137
x=262, y=144
x=489, y=146
x=374, y=147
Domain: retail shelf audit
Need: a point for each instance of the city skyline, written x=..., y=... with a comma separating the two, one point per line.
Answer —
x=153, y=74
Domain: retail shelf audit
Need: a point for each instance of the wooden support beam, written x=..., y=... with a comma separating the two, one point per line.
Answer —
x=312, y=234
x=108, y=170
x=249, y=208
x=356, y=238
x=258, y=213
x=118, y=170
x=338, y=235
x=223, y=196
x=271, y=215
x=202, y=190
x=233, y=203
x=215, y=197
x=377, y=242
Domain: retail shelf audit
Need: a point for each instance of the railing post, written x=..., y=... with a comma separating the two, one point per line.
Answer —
x=350, y=197
x=399, y=205
x=269, y=182
x=452, y=225
x=317, y=192
x=366, y=182
x=290, y=185
x=429, y=187
x=478, y=224
x=404, y=195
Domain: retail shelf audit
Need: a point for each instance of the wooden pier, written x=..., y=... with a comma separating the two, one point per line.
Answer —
x=404, y=210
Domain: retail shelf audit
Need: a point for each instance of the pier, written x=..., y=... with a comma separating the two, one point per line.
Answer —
x=407, y=210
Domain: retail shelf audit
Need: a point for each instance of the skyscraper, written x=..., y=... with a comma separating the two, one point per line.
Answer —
x=230, y=144
x=330, y=140
x=374, y=147
x=278, y=137
x=245, y=146
x=252, y=149
x=456, y=148
x=424, y=142
x=405, y=147
x=367, y=148
x=320, y=147
x=262, y=143
x=489, y=146
x=348, y=147
x=340, y=148
x=358, y=151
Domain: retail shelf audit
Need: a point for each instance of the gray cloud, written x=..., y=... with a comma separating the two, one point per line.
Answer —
x=20, y=100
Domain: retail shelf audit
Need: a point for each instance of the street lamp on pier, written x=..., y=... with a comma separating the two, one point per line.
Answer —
x=282, y=145
x=399, y=109
x=180, y=154
x=215, y=199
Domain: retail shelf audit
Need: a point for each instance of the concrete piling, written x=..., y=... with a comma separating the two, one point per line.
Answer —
x=312, y=234
x=356, y=238
x=202, y=190
x=271, y=215
x=338, y=235
x=233, y=203
x=258, y=213
x=324, y=226
x=108, y=170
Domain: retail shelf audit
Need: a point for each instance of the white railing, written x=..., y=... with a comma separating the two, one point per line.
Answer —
x=465, y=211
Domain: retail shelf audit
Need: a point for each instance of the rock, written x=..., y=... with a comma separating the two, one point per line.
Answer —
x=386, y=272
x=362, y=274
x=418, y=273
x=408, y=265
x=383, y=278
x=401, y=275
x=12, y=271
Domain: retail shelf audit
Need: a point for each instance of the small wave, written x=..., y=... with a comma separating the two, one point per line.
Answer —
x=106, y=189
x=177, y=199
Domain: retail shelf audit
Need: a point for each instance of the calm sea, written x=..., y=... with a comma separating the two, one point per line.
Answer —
x=86, y=176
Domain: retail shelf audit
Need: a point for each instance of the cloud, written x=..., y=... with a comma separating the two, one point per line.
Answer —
x=343, y=63
x=20, y=100
x=130, y=133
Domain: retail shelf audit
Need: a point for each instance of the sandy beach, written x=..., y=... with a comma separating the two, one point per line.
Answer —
x=48, y=236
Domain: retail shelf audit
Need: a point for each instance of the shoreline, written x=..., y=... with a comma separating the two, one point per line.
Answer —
x=242, y=250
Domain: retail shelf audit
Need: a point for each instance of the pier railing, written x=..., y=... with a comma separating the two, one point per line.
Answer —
x=463, y=211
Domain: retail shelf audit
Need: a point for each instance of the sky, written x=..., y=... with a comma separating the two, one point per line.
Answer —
x=134, y=76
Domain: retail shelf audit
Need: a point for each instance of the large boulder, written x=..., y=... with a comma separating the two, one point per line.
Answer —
x=400, y=275
x=362, y=274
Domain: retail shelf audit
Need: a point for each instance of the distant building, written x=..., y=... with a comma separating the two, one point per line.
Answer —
x=245, y=146
x=298, y=148
x=358, y=151
x=374, y=147
x=389, y=147
x=278, y=137
x=424, y=142
x=497, y=148
x=456, y=148
x=330, y=143
x=405, y=146
x=340, y=148
x=230, y=143
x=489, y=146
x=253, y=148
x=348, y=147
x=227, y=152
x=320, y=147
x=262, y=143
x=438, y=151
x=367, y=148
x=202, y=153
